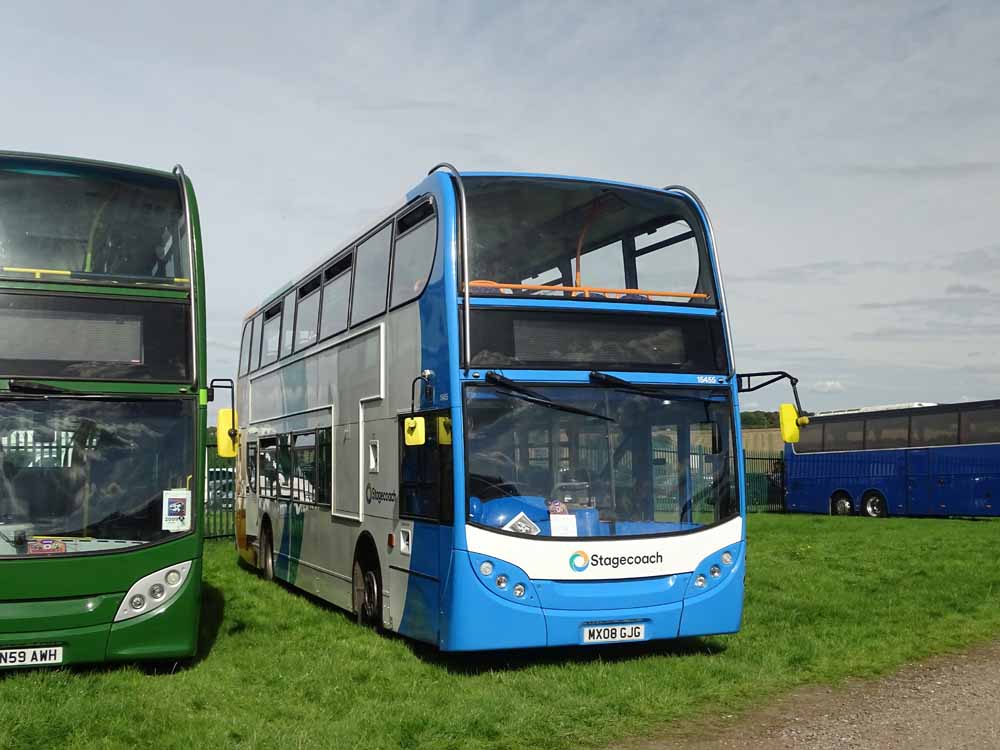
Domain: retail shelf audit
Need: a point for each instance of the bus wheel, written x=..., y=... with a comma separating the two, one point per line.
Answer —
x=840, y=504
x=367, y=594
x=266, y=554
x=874, y=505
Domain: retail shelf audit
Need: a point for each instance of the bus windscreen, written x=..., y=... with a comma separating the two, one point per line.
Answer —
x=544, y=237
x=93, y=475
x=62, y=221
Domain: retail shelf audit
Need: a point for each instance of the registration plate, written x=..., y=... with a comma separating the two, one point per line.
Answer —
x=45, y=656
x=617, y=632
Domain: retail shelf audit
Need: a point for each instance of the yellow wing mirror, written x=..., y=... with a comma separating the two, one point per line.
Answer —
x=414, y=431
x=790, y=423
x=226, y=433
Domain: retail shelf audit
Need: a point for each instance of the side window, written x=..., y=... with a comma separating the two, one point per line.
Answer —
x=288, y=324
x=416, y=237
x=304, y=472
x=252, y=467
x=810, y=439
x=245, y=347
x=681, y=272
x=336, y=297
x=324, y=466
x=307, y=318
x=371, y=273
x=887, y=432
x=272, y=333
x=258, y=329
x=981, y=426
x=269, y=467
x=844, y=436
x=934, y=429
x=425, y=476
x=609, y=264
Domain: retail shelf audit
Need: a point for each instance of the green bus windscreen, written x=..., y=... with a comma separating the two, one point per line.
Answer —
x=76, y=222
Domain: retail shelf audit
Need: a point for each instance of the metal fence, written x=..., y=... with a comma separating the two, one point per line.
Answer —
x=220, y=494
x=765, y=482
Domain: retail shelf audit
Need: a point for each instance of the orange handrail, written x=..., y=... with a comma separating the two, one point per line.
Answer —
x=585, y=290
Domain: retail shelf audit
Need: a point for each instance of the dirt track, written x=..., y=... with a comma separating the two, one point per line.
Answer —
x=950, y=703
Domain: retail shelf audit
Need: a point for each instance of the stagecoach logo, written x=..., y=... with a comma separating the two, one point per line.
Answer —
x=579, y=561
x=373, y=495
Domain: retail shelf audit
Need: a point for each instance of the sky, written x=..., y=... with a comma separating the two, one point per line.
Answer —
x=847, y=153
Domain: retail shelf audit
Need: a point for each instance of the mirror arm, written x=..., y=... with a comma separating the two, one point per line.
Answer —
x=226, y=384
x=425, y=376
x=746, y=386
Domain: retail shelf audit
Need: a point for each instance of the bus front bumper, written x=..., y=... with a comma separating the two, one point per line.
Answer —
x=555, y=613
x=170, y=631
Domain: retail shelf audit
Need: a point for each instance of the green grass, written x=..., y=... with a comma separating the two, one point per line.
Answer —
x=828, y=598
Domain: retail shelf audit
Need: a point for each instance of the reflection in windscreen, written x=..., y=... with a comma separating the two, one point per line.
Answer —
x=92, y=475
x=662, y=463
x=67, y=221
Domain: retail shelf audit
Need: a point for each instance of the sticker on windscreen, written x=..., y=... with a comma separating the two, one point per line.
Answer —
x=39, y=546
x=176, y=510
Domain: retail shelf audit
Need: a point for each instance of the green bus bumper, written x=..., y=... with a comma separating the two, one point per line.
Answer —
x=168, y=632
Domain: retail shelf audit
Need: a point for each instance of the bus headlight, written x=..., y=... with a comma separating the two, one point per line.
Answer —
x=501, y=581
x=715, y=571
x=160, y=586
x=518, y=590
x=486, y=568
x=699, y=581
x=727, y=558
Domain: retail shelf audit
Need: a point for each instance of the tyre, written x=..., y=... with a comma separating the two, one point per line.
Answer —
x=874, y=505
x=266, y=562
x=840, y=504
x=367, y=583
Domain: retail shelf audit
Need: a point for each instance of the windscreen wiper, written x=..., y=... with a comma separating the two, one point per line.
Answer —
x=32, y=386
x=602, y=378
x=526, y=394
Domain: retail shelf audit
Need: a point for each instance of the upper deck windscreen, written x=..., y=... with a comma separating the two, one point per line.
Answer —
x=531, y=236
x=61, y=221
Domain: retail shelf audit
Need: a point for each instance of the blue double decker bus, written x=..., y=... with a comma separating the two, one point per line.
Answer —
x=504, y=415
x=907, y=460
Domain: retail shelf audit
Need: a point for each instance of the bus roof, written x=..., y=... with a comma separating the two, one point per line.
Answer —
x=899, y=410
x=85, y=162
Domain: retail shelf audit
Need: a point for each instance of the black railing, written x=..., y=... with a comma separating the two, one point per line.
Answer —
x=220, y=495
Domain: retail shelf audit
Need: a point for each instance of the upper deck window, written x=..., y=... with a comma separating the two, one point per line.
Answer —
x=371, y=275
x=587, y=240
x=61, y=221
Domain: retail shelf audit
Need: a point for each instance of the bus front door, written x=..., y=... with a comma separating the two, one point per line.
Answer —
x=425, y=525
x=918, y=483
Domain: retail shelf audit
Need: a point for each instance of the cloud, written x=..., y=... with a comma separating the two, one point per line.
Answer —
x=828, y=386
x=966, y=289
x=926, y=171
x=978, y=261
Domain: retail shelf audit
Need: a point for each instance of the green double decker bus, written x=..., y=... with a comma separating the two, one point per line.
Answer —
x=102, y=412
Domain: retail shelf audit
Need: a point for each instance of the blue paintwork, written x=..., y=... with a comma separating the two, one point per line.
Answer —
x=720, y=608
x=593, y=595
x=961, y=480
x=514, y=576
x=422, y=608
x=472, y=613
